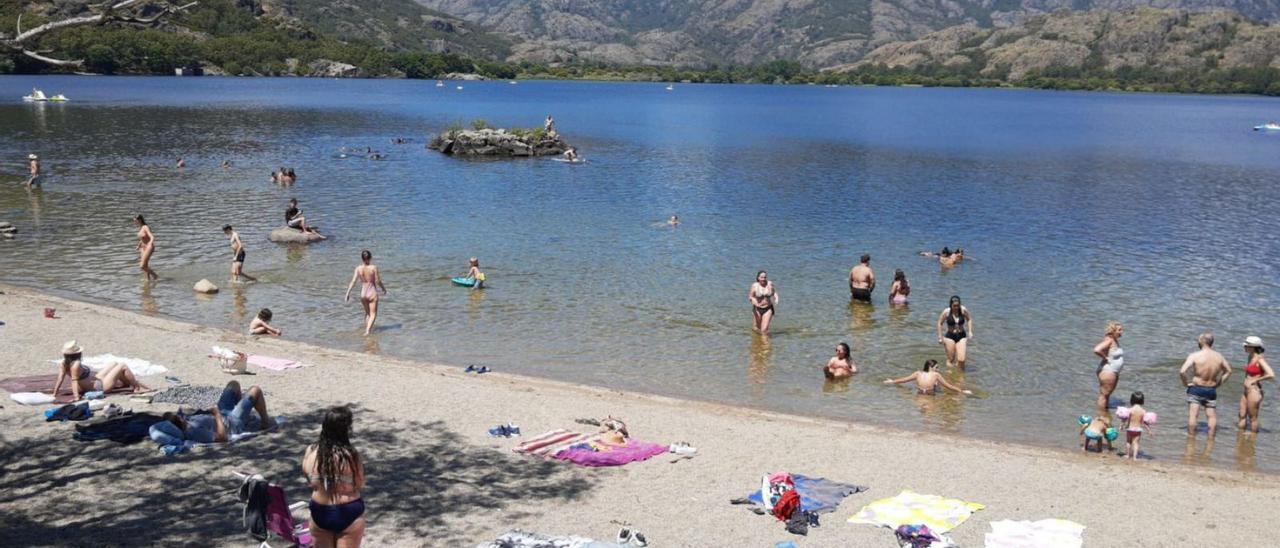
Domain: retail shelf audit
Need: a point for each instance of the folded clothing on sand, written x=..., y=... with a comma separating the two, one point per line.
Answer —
x=817, y=495
x=909, y=508
x=42, y=383
x=1046, y=533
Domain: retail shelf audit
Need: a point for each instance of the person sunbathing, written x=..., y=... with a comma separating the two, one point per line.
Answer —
x=232, y=416
x=83, y=379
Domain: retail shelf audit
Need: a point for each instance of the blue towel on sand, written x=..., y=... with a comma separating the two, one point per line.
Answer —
x=817, y=495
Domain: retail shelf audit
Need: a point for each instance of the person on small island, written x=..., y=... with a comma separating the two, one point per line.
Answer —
x=293, y=219
x=237, y=255
x=335, y=471
x=549, y=126
x=261, y=324
x=956, y=321
x=927, y=380
x=83, y=379
x=181, y=163
x=33, y=166
x=1209, y=370
x=899, y=289
x=763, y=296
x=840, y=366
x=474, y=273
x=1255, y=372
x=233, y=415
x=862, y=280
x=146, y=247
x=371, y=280
x=674, y=220
x=1112, y=364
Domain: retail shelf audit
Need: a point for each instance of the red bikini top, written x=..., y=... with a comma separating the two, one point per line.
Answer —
x=1253, y=370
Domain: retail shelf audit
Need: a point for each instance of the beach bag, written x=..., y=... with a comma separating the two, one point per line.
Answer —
x=253, y=493
x=231, y=361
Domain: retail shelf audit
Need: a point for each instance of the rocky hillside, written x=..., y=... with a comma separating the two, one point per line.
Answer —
x=1077, y=44
x=396, y=25
x=818, y=33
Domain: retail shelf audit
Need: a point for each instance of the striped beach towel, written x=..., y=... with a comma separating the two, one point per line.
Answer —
x=550, y=443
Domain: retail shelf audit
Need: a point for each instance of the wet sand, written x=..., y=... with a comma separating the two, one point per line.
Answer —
x=437, y=479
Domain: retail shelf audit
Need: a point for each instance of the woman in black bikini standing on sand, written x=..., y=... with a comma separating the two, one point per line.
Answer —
x=763, y=296
x=958, y=323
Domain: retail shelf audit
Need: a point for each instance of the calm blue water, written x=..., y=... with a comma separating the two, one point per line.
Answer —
x=1077, y=208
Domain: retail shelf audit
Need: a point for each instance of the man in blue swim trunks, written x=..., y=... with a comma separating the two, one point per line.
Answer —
x=232, y=416
x=1210, y=371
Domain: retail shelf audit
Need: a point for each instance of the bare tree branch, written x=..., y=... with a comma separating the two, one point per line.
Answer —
x=52, y=61
x=110, y=13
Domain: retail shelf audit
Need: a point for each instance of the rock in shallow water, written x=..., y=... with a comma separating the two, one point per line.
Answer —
x=286, y=235
x=206, y=287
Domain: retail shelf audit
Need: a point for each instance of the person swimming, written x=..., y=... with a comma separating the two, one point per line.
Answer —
x=371, y=280
x=840, y=366
x=146, y=247
x=571, y=154
x=900, y=289
x=927, y=380
x=763, y=296
x=674, y=220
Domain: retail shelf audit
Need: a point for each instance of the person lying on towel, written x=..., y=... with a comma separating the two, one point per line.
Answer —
x=613, y=433
x=233, y=415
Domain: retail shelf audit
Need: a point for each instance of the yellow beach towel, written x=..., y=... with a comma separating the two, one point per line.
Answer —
x=909, y=508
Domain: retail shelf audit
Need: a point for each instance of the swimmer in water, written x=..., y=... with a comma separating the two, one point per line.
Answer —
x=237, y=255
x=948, y=260
x=146, y=247
x=226, y=164
x=840, y=366
x=33, y=165
x=900, y=289
x=927, y=380
x=571, y=154
x=763, y=296
x=371, y=280
x=674, y=220
x=181, y=163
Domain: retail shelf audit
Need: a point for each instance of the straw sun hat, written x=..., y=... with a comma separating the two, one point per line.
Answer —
x=32, y=157
x=1253, y=342
x=72, y=347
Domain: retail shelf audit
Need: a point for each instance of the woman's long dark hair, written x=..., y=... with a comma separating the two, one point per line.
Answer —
x=140, y=220
x=334, y=450
x=68, y=359
x=900, y=276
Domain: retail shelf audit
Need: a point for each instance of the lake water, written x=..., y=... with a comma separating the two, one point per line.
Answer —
x=1076, y=208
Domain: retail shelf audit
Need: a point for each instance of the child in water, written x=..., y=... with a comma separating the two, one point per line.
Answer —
x=261, y=324
x=1136, y=418
x=474, y=273
x=1096, y=429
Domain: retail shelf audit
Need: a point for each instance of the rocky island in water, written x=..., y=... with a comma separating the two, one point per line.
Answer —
x=499, y=142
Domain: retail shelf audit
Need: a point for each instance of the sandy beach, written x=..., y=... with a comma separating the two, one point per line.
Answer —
x=437, y=479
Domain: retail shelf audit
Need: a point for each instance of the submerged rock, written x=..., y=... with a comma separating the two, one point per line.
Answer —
x=499, y=143
x=206, y=287
x=286, y=235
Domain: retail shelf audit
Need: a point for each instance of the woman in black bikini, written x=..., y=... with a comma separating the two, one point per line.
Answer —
x=957, y=322
x=336, y=474
x=763, y=296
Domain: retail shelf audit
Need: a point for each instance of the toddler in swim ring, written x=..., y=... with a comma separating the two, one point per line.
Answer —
x=1136, y=418
x=1096, y=429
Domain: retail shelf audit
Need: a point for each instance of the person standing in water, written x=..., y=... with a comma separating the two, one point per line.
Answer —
x=1112, y=364
x=237, y=255
x=900, y=289
x=33, y=165
x=474, y=273
x=862, y=281
x=763, y=296
x=1255, y=372
x=840, y=366
x=1210, y=369
x=371, y=280
x=958, y=323
x=146, y=247
x=927, y=380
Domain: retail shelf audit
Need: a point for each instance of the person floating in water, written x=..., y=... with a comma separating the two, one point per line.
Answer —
x=33, y=165
x=237, y=255
x=293, y=219
x=474, y=273
x=862, y=280
x=927, y=380
x=571, y=154
x=226, y=164
x=146, y=247
x=371, y=280
x=763, y=296
x=674, y=220
x=840, y=366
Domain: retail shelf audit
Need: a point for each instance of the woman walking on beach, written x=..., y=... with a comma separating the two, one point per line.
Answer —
x=146, y=247
x=371, y=280
x=958, y=324
x=900, y=289
x=333, y=468
x=763, y=296
x=1255, y=372
x=1111, y=365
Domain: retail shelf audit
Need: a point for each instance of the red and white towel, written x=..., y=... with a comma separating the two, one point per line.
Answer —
x=550, y=443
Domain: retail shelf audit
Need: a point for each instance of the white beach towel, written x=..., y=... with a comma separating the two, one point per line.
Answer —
x=141, y=368
x=32, y=398
x=1046, y=533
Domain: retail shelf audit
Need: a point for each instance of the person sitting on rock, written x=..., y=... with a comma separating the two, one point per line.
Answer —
x=293, y=219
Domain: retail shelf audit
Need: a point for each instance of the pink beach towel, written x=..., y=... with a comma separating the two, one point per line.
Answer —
x=635, y=450
x=274, y=364
x=550, y=443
